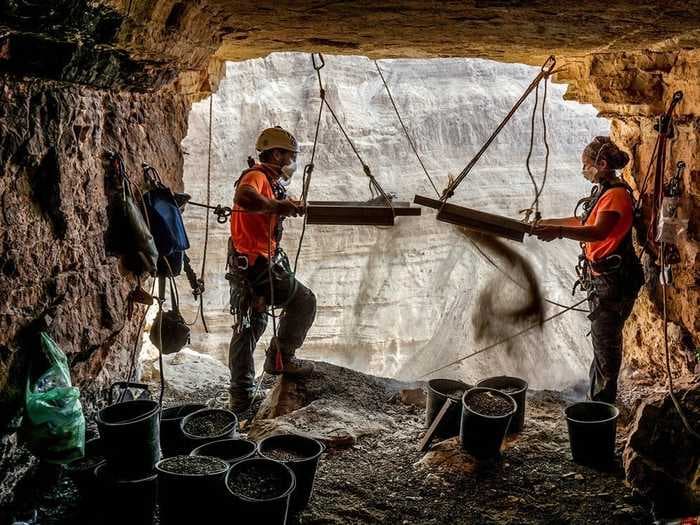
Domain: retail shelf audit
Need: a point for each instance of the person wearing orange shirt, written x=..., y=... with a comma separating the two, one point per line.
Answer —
x=255, y=258
x=611, y=272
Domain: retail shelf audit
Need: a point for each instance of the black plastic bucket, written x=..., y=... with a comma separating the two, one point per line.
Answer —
x=516, y=388
x=130, y=433
x=592, y=428
x=82, y=471
x=192, y=497
x=125, y=498
x=438, y=392
x=271, y=508
x=299, y=453
x=193, y=441
x=480, y=434
x=172, y=441
x=230, y=450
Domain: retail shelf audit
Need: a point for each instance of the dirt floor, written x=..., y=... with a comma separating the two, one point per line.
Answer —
x=383, y=478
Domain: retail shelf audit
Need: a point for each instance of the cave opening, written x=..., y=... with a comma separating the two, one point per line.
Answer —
x=81, y=80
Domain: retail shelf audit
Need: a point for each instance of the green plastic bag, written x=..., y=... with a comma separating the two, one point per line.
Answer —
x=53, y=427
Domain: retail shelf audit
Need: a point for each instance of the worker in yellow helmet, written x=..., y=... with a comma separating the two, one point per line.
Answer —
x=261, y=204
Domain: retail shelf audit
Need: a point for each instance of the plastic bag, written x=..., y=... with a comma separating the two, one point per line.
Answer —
x=54, y=426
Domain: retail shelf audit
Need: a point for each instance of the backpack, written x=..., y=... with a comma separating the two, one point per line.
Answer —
x=167, y=226
x=129, y=235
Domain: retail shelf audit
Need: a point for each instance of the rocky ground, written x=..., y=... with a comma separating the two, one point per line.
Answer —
x=373, y=472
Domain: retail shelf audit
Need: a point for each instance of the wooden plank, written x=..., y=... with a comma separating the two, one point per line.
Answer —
x=476, y=220
x=357, y=213
x=428, y=437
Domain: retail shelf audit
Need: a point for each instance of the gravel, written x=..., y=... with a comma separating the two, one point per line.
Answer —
x=257, y=482
x=488, y=404
x=284, y=454
x=209, y=424
x=193, y=465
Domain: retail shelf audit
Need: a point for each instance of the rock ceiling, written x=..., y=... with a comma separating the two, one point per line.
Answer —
x=146, y=44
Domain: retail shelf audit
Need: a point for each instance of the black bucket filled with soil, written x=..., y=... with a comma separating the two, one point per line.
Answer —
x=486, y=414
x=592, y=428
x=130, y=434
x=438, y=392
x=172, y=440
x=515, y=388
x=191, y=490
x=207, y=425
x=230, y=450
x=125, y=498
x=299, y=453
x=260, y=490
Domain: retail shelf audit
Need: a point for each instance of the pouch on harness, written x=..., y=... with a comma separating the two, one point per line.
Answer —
x=624, y=258
x=129, y=233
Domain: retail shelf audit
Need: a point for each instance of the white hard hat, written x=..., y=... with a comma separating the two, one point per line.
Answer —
x=272, y=138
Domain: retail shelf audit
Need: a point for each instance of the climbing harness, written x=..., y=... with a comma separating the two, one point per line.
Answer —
x=489, y=223
x=379, y=212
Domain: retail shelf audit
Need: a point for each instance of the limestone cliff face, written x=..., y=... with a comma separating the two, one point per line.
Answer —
x=399, y=301
x=632, y=89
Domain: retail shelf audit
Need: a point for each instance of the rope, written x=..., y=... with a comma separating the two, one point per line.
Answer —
x=206, y=221
x=669, y=375
x=504, y=340
x=405, y=130
x=545, y=71
x=474, y=244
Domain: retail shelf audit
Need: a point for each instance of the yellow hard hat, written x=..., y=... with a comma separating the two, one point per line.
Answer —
x=272, y=138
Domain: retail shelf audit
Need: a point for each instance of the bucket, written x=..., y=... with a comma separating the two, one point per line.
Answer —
x=592, y=427
x=301, y=454
x=82, y=471
x=515, y=388
x=172, y=441
x=225, y=419
x=125, y=498
x=482, y=429
x=230, y=450
x=260, y=490
x=438, y=391
x=130, y=435
x=191, y=490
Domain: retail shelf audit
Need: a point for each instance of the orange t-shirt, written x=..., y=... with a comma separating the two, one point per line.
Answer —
x=619, y=201
x=253, y=233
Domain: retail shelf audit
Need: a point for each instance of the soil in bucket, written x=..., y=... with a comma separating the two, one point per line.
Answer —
x=230, y=450
x=82, y=471
x=172, y=440
x=592, y=428
x=260, y=490
x=206, y=425
x=130, y=434
x=517, y=389
x=438, y=391
x=486, y=414
x=301, y=454
x=125, y=498
x=191, y=490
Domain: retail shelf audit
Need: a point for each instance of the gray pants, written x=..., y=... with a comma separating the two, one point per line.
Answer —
x=298, y=315
x=610, y=304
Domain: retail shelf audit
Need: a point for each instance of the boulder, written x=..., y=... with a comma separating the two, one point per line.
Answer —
x=661, y=458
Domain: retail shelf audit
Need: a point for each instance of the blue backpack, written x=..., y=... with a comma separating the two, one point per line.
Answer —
x=167, y=226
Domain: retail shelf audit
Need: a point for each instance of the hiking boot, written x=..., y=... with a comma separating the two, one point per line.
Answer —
x=239, y=404
x=296, y=367
x=286, y=364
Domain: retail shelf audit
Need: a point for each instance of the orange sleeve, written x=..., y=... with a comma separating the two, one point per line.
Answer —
x=255, y=179
x=616, y=200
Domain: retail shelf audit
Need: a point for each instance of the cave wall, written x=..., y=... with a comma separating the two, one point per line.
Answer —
x=632, y=89
x=53, y=217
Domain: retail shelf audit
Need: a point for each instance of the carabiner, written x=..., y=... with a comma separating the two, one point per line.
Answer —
x=548, y=65
x=313, y=61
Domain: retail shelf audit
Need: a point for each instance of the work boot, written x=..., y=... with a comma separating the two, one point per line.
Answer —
x=277, y=362
x=241, y=403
